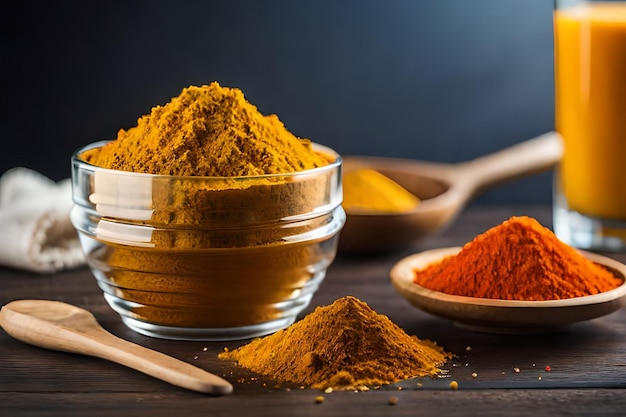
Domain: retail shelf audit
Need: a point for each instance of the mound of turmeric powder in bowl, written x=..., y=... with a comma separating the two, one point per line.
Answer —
x=519, y=259
x=210, y=131
x=208, y=220
x=366, y=190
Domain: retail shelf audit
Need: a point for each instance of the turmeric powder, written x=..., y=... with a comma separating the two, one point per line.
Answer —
x=517, y=260
x=343, y=346
x=207, y=131
x=229, y=235
x=367, y=190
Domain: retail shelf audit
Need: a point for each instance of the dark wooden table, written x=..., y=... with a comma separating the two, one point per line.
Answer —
x=587, y=360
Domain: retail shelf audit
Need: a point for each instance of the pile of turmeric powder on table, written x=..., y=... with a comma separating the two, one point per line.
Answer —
x=342, y=346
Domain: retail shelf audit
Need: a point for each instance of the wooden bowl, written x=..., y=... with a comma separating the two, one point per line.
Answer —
x=505, y=316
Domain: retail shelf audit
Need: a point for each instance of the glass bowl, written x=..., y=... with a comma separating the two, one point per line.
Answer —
x=207, y=258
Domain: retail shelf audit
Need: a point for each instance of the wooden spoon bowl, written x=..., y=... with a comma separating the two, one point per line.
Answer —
x=445, y=189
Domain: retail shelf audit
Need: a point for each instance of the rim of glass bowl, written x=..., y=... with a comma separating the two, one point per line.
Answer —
x=336, y=164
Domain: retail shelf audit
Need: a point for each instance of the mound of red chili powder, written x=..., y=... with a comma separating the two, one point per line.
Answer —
x=517, y=260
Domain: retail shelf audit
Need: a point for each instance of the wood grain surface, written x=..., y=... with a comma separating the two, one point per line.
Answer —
x=497, y=374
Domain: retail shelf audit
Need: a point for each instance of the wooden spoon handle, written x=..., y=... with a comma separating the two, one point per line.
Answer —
x=88, y=338
x=520, y=160
x=156, y=364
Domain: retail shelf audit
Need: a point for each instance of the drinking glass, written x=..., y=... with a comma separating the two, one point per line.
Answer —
x=590, y=115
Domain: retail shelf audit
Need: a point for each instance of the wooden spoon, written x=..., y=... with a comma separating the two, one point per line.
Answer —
x=445, y=189
x=60, y=326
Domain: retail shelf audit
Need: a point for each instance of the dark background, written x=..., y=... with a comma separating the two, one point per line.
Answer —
x=439, y=80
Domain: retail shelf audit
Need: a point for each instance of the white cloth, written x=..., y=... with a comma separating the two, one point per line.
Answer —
x=35, y=229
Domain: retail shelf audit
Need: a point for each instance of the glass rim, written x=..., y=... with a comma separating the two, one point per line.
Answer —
x=336, y=164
